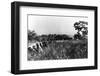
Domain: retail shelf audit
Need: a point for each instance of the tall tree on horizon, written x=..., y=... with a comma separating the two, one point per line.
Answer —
x=81, y=28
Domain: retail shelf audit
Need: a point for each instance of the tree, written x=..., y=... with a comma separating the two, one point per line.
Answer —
x=81, y=28
x=31, y=35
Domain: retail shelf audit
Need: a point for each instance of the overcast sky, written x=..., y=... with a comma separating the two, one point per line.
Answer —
x=53, y=24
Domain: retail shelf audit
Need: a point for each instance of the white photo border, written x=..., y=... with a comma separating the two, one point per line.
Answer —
x=28, y=65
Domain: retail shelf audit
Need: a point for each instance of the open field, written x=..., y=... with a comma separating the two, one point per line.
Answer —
x=64, y=49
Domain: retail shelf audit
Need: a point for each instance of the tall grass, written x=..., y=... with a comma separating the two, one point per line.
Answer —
x=66, y=49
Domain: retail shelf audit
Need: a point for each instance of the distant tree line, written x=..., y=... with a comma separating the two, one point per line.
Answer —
x=53, y=37
x=50, y=37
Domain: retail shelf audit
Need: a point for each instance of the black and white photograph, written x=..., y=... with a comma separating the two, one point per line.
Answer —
x=52, y=37
x=56, y=37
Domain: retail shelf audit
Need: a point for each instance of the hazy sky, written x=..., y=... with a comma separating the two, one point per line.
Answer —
x=53, y=24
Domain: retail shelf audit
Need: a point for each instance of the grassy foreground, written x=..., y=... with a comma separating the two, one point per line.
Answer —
x=66, y=49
